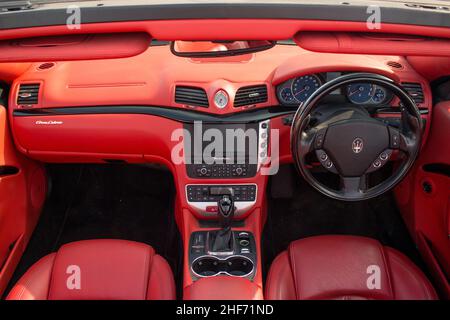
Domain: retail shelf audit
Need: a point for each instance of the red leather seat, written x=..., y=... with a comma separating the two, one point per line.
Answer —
x=345, y=267
x=98, y=270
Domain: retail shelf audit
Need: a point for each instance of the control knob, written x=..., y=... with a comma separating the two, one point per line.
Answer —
x=203, y=171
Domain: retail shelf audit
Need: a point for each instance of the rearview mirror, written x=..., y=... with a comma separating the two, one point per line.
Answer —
x=199, y=49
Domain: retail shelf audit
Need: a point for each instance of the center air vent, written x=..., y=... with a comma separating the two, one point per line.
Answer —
x=192, y=96
x=414, y=90
x=250, y=95
x=28, y=94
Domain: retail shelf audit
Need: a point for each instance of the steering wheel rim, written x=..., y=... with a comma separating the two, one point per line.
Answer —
x=409, y=139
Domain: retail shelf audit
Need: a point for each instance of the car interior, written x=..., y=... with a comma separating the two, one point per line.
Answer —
x=342, y=193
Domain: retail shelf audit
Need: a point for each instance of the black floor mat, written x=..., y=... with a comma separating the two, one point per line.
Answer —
x=309, y=213
x=107, y=201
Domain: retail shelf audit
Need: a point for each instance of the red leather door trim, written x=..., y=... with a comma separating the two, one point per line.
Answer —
x=21, y=198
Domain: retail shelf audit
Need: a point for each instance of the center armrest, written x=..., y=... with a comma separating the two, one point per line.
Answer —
x=223, y=288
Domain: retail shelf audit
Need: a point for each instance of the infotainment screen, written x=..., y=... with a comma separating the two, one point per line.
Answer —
x=217, y=143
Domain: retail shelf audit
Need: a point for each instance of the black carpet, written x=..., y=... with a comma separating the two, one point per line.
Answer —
x=309, y=213
x=107, y=201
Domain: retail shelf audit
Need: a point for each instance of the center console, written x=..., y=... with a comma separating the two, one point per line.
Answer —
x=223, y=251
x=221, y=260
x=239, y=262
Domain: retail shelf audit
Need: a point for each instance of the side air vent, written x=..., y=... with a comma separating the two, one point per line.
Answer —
x=414, y=90
x=192, y=96
x=250, y=95
x=28, y=94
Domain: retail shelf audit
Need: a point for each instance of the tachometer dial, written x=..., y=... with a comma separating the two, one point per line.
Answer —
x=379, y=95
x=286, y=96
x=360, y=93
x=304, y=87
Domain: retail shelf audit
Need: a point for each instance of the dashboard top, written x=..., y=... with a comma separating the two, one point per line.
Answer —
x=212, y=85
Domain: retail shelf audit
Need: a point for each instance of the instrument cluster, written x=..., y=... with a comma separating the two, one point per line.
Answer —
x=295, y=91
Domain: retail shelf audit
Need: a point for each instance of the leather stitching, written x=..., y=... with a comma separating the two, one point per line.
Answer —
x=51, y=275
x=148, y=264
x=293, y=270
x=388, y=271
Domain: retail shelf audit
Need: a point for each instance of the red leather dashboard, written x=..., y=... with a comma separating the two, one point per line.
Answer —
x=149, y=79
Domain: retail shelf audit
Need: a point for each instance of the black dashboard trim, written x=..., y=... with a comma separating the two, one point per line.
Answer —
x=180, y=115
x=54, y=14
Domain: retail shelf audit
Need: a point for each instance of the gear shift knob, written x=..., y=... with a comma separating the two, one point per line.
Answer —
x=226, y=211
x=223, y=238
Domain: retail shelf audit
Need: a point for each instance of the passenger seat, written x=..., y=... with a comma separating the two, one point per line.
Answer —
x=98, y=270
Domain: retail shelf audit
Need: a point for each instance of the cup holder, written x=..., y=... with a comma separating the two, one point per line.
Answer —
x=209, y=266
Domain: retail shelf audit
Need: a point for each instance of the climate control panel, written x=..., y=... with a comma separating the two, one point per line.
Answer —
x=201, y=193
x=203, y=198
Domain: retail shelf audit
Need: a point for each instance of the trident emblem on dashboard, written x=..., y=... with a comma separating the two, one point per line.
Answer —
x=357, y=145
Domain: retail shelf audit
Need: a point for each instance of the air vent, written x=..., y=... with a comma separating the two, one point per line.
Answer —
x=191, y=96
x=46, y=65
x=28, y=94
x=394, y=65
x=414, y=90
x=250, y=95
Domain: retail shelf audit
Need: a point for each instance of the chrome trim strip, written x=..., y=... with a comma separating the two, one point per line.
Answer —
x=263, y=143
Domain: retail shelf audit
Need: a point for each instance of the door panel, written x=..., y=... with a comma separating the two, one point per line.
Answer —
x=424, y=199
x=22, y=193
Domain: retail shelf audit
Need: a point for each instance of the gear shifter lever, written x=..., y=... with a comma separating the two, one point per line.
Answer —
x=226, y=211
x=223, y=240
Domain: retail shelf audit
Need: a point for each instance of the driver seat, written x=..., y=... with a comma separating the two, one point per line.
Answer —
x=347, y=268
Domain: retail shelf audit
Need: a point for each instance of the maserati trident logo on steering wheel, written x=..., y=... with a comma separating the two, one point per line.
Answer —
x=357, y=145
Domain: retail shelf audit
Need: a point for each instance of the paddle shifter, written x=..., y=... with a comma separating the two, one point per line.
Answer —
x=223, y=238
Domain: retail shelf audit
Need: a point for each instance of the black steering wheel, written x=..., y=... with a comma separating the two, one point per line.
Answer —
x=348, y=142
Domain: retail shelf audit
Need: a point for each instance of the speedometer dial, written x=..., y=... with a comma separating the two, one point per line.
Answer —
x=360, y=93
x=287, y=96
x=304, y=87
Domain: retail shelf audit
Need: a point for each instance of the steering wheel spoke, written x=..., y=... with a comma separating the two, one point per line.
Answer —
x=311, y=140
x=353, y=187
x=401, y=141
x=325, y=161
